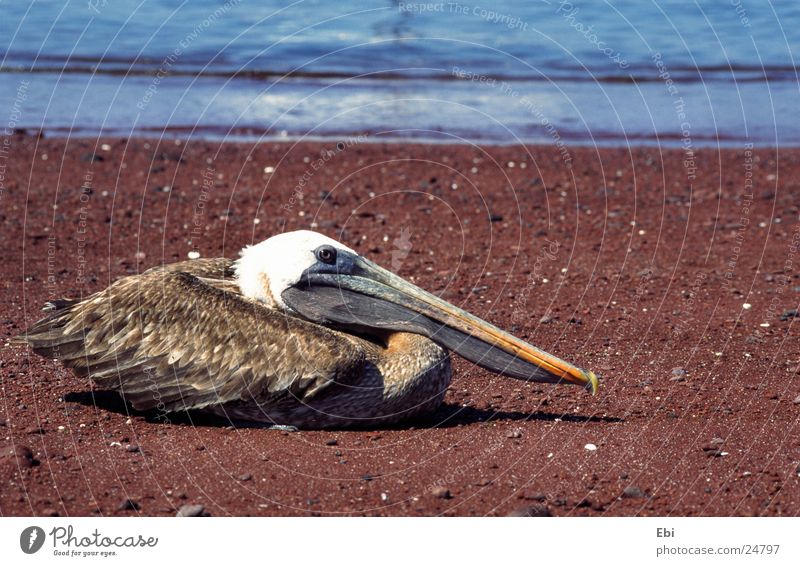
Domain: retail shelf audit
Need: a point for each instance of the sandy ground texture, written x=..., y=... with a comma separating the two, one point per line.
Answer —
x=676, y=278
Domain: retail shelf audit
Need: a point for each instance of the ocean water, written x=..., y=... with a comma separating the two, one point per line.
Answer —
x=594, y=72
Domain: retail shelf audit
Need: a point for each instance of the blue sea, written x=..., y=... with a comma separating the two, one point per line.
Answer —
x=596, y=72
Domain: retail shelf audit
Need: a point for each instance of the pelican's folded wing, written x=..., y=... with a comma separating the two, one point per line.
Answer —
x=209, y=268
x=171, y=340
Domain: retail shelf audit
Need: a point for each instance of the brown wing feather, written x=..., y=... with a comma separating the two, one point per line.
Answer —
x=209, y=268
x=171, y=340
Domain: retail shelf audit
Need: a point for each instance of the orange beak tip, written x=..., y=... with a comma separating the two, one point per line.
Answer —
x=592, y=383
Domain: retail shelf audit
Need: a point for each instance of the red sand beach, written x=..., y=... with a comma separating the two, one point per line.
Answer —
x=675, y=279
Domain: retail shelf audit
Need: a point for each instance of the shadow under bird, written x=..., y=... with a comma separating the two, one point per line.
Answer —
x=301, y=331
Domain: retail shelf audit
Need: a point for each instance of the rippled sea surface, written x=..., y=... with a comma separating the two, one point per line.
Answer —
x=583, y=72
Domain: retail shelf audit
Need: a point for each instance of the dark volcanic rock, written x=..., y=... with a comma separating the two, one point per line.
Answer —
x=191, y=511
x=535, y=510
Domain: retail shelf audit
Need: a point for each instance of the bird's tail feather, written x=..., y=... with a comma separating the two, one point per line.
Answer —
x=47, y=337
x=57, y=337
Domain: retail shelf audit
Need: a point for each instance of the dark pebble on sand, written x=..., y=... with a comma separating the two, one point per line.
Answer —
x=633, y=492
x=536, y=510
x=516, y=433
x=191, y=511
x=35, y=430
x=128, y=505
x=18, y=455
x=714, y=448
x=92, y=157
x=534, y=496
x=332, y=442
x=167, y=156
x=132, y=448
x=791, y=313
x=441, y=492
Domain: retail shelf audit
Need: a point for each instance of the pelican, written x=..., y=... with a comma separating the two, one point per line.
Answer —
x=300, y=332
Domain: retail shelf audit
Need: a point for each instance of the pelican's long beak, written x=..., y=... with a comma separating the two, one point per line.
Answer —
x=368, y=296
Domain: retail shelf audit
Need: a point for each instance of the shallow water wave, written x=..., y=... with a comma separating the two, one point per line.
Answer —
x=498, y=72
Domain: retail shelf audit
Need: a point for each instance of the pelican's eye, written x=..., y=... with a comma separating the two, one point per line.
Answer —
x=326, y=254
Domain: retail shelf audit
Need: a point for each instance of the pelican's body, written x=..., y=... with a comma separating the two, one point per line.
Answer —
x=313, y=341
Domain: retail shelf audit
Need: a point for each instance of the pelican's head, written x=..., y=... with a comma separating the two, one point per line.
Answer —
x=330, y=284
